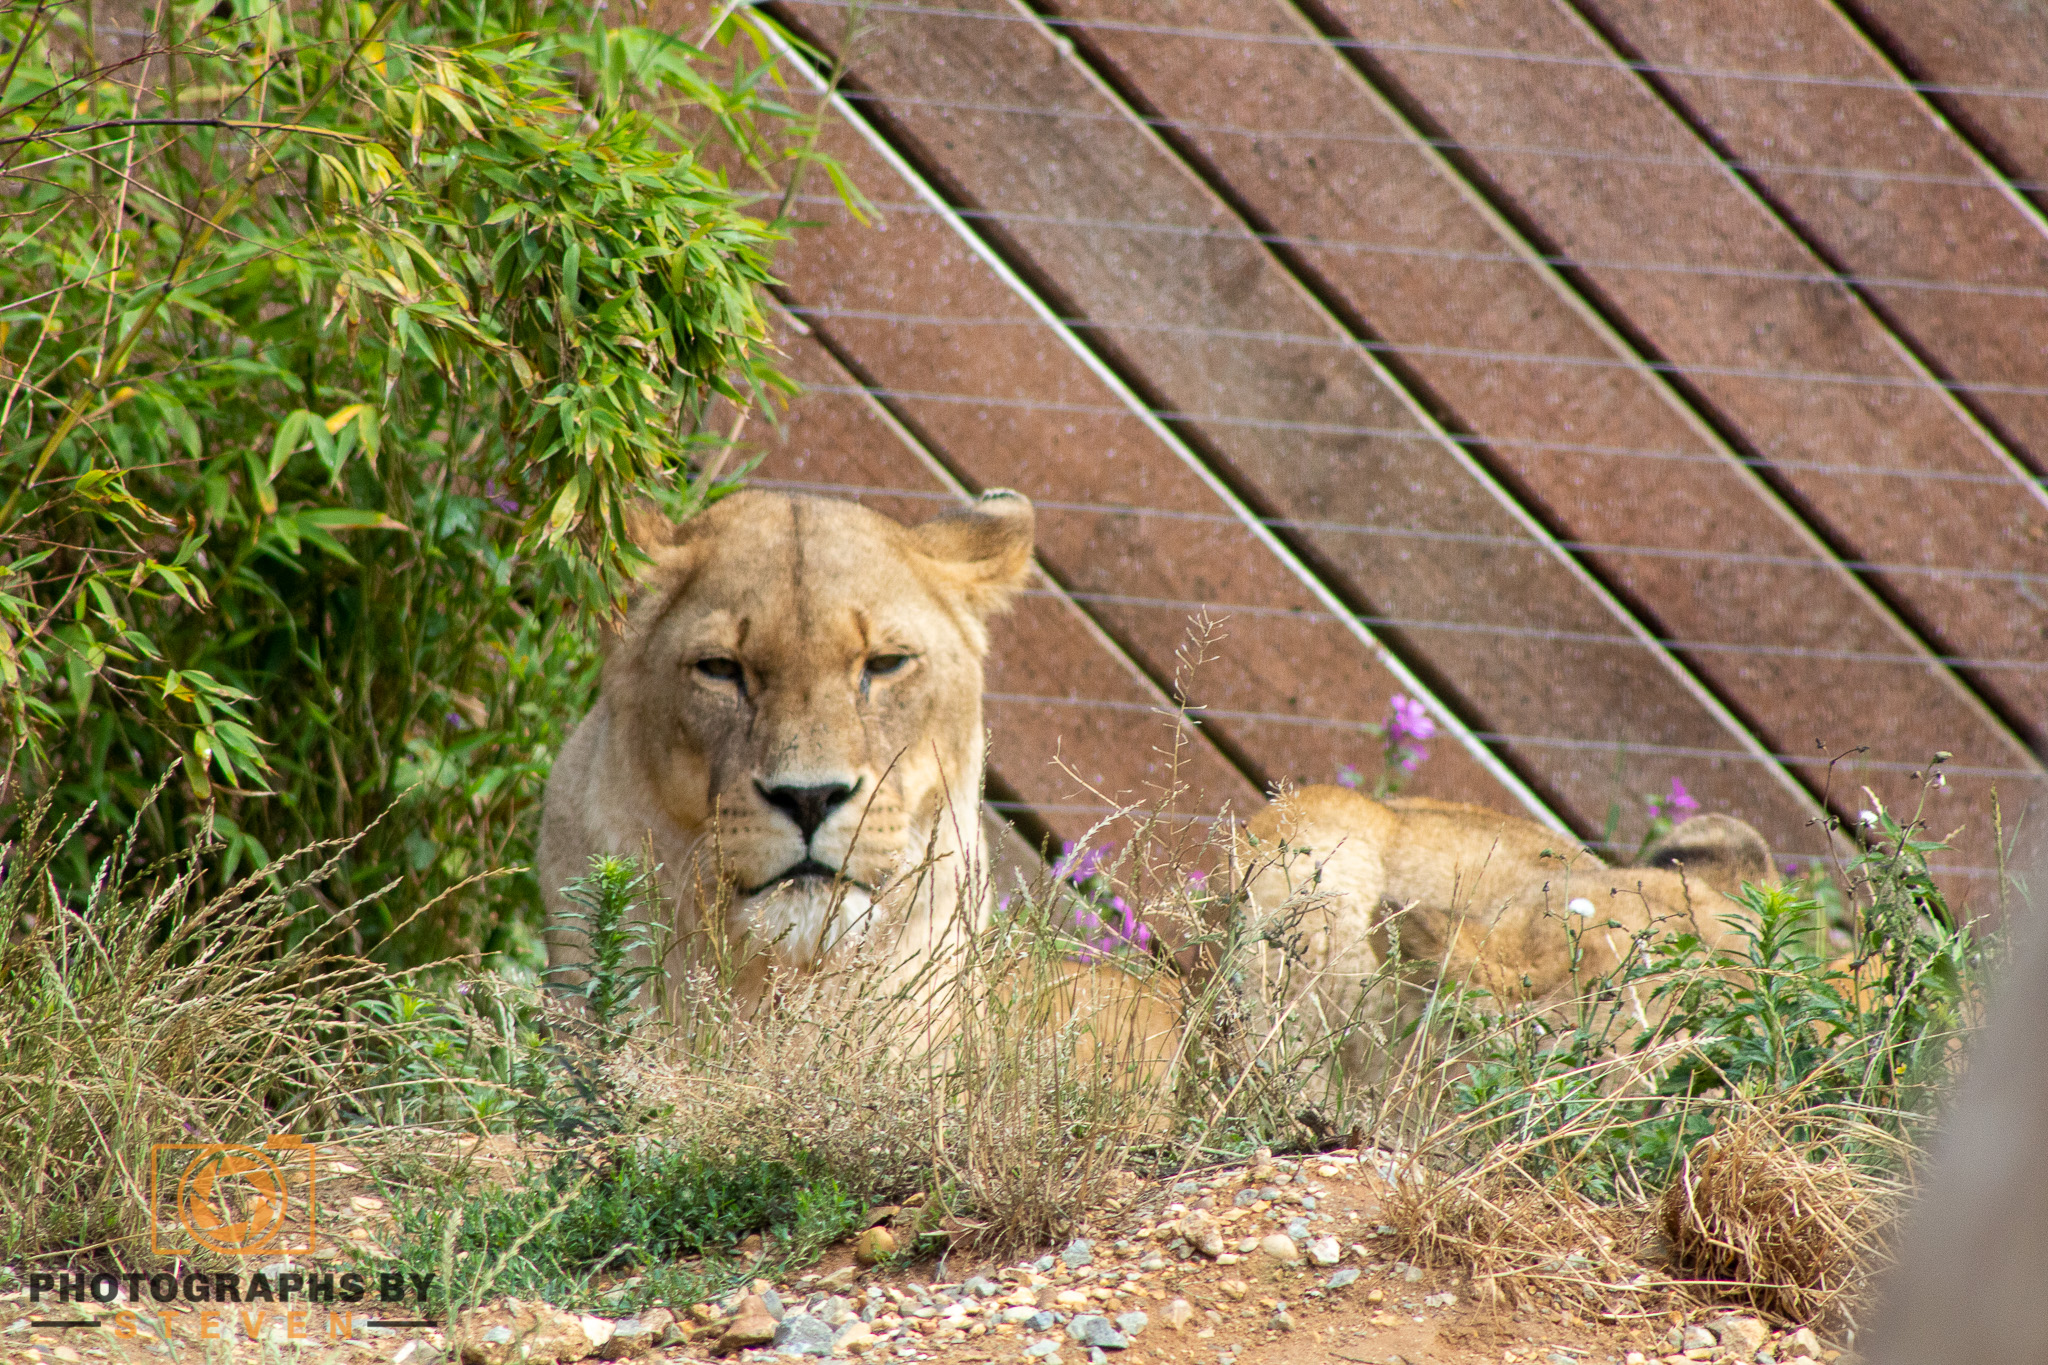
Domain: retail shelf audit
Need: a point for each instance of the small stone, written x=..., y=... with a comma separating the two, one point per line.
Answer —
x=1298, y=1230
x=839, y=1279
x=1132, y=1323
x=629, y=1337
x=833, y=1311
x=982, y=1287
x=1282, y=1320
x=1079, y=1253
x=1018, y=1314
x=1247, y=1246
x=803, y=1335
x=1041, y=1348
x=1235, y=1290
x=1096, y=1357
x=1633, y=1358
x=1044, y=1320
x=1202, y=1232
x=1071, y=1298
x=1044, y=1264
x=1177, y=1314
x=854, y=1338
x=1324, y=1250
x=1092, y=1329
x=1696, y=1337
x=599, y=1330
x=1444, y=1300
x=1281, y=1248
x=875, y=1246
x=1742, y=1336
x=1245, y=1198
x=752, y=1325
x=1802, y=1343
x=1413, y=1274
x=1339, y=1279
x=1153, y=1262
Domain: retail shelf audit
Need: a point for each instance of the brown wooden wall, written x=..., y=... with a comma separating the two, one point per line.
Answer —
x=1659, y=389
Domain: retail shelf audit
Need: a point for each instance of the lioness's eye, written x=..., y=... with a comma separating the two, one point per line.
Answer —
x=882, y=665
x=725, y=670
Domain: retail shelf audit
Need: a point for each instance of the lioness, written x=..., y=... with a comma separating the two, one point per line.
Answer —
x=791, y=715
x=1468, y=894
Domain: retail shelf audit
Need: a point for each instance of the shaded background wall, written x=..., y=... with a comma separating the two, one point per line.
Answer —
x=1659, y=389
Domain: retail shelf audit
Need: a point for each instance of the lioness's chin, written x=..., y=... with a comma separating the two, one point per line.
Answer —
x=806, y=920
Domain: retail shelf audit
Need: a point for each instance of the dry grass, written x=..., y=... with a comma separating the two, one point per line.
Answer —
x=1768, y=1211
x=146, y=1015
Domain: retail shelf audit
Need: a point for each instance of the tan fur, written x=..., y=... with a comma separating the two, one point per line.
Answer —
x=1475, y=896
x=743, y=673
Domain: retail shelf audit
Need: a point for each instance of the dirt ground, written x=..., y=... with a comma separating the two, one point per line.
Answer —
x=1244, y=1307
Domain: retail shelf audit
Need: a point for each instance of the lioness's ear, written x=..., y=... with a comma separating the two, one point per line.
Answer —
x=985, y=548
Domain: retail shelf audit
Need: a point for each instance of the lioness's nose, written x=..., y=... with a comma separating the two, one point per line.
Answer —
x=808, y=806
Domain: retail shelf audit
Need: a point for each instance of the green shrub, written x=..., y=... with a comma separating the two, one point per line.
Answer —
x=336, y=342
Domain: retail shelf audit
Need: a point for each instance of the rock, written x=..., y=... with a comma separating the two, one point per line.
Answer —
x=1347, y=1275
x=1444, y=1300
x=1235, y=1290
x=663, y=1325
x=1202, y=1232
x=1040, y=1349
x=770, y=1298
x=1742, y=1336
x=1696, y=1337
x=1019, y=1314
x=1282, y=1320
x=629, y=1337
x=751, y=1325
x=1177, y=1314
x=1041, y=1321
x=1092, y=1329
x=1071, y=1298
x=598, y=1330
x=1324, y=1250
x=875, y=1246
x=840, y=1279
x=515, y=1333
x=1153, y=1262
x=833, y=1311
x=1245, y=1198
x=1044, y=1264
x=982, y=1287
x=1079, y=1253
x=1133, y=1323
x=854, y=1338
x=1298, y=1230
x=1096, y=1357
x=1801, y=1343
x=800, y=1334
x=1281, y=1248
x=1248, y=1246
x=1413, y=1274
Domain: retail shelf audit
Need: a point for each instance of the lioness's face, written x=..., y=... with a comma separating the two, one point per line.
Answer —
x=811, y=671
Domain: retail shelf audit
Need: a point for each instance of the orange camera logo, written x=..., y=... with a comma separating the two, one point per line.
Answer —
x=230, y=1198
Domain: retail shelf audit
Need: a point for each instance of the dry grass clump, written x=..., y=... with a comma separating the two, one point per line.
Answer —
x=1768, y=1211
x=1012, y=1089
x=144, y=1013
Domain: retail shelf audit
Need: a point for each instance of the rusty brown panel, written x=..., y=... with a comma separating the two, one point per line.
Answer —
x=1097, y=734
x=1928, y=210
x=1243, y=108
x=1706, y=300
x=1971, y=51
x=1142, y=529
x=1305, y=423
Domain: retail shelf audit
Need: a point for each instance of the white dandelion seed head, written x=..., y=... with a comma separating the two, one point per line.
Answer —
x=1579, y=905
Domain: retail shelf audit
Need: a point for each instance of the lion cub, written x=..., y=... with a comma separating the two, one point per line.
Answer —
x=1474, y=896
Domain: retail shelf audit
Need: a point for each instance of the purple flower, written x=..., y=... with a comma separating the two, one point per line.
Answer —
x=1680, y=799
x=1197, y=878
x=1348, y=776
x=498, y=498
x=1412, y=759
x=1411, y=720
